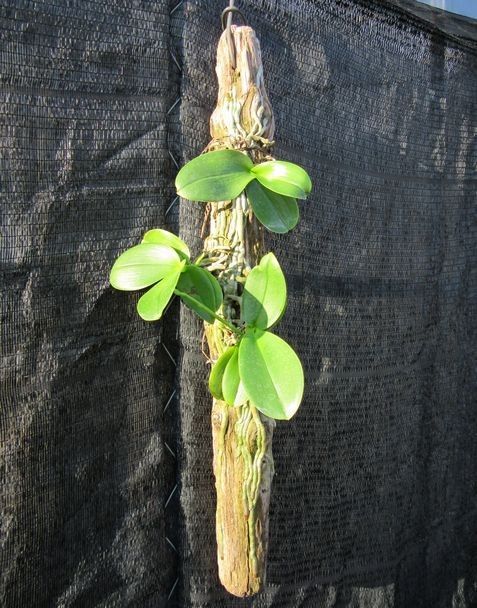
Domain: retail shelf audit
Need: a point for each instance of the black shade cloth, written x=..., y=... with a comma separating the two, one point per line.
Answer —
x=84, y=96
x=374, y=498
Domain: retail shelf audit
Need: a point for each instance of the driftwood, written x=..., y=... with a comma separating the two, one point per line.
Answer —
x=242, y=436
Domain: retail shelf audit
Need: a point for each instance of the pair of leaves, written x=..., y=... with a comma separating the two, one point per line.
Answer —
x=262, y=368
x=163, y=261
x=271, y=187
x=223, y=175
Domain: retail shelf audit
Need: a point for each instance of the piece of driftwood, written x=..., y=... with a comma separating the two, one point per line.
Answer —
x=242, y=436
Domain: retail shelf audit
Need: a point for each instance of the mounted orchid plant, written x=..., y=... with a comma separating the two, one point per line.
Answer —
x=260, y=367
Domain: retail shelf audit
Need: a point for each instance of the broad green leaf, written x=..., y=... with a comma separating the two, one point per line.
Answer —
x=265, y=293
x=199, y=285
x=271, y=374
x=232, y=387
x=217, y=372
x=152, y=304
x=215, y=176
x=284, y=178
x=143, y=265
x=276, y=212
x=163, y=237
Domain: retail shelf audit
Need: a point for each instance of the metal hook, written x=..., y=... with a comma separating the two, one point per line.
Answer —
x=228, y=13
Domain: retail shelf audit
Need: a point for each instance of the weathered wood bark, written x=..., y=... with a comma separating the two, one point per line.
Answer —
x=242, y=436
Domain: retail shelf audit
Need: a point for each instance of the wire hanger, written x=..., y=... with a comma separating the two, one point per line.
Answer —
x=226, y=18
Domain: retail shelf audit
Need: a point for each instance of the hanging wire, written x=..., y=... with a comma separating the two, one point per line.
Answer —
x=226, y=18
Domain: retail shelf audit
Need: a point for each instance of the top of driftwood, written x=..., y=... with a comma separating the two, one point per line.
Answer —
x=243, y=112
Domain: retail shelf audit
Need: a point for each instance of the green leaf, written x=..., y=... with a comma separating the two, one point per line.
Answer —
x=199, y=288
x=217, y=372
x=232, y=387
x=152, y=304
x=271, y=374
x=143, y=265
x=163, y=237
x=284, y=178
x=276, y=212
x=265, y=293
x=215, y=176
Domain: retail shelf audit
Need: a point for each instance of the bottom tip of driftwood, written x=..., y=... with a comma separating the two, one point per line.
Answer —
x=242, y=590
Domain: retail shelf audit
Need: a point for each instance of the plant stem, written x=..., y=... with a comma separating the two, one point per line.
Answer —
x=233, y=329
